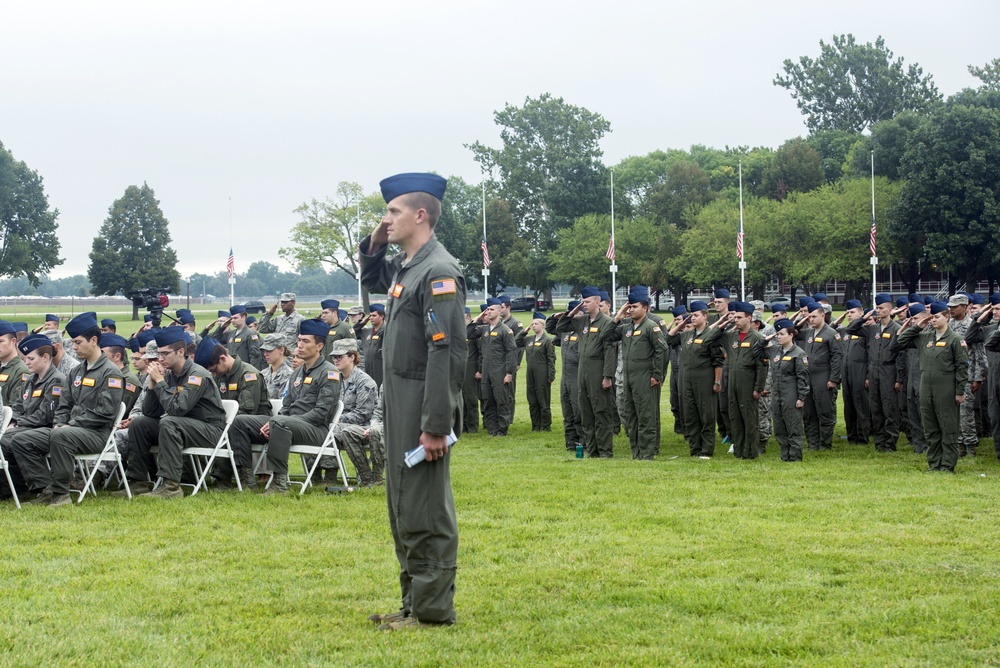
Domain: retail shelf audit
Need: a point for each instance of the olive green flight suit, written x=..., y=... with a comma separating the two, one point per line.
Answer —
x=540, y=356
x=34, y=408
x=701, y=354
x=519, y=331
x=569, y=389
x=857, y=411
x=885, y=369
x=13, y=374
x=789, y=383
x=747, y=374
x=498, y=357
x=825, y=352
x=643, y=349
x=597, y=362
x=470, y=387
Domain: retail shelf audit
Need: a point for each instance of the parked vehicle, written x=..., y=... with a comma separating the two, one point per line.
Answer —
x=255, y=306
x=530, y=304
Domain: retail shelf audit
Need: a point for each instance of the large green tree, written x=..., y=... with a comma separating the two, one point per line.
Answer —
x=28, y=243
x=988, y=74
x=797, y=167
x=852, y=86
x=132, y=249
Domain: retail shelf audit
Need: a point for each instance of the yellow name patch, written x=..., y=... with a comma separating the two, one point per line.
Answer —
x=494, y=333
x=818, y=339
x=854, y=337
x=572, y=338
x=786, y=358
x=886, y=335
x=37, y=393
x=375, y=337
x=745, y=344
x=88, y=382
x=3, y=377
x=397, y=290
x=592, y=330
x=941, y=344
x=233, y=387
x=307, y=380
x=698, y=340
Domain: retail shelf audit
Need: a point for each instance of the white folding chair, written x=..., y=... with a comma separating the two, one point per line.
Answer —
x=329, y=447
x=8, y=414
x=90, y=463
x=259, y=450
x=202, y=458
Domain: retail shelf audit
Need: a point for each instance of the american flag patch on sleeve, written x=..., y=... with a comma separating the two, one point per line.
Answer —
x=443, y=286
x=194, y=380
x=115, y=383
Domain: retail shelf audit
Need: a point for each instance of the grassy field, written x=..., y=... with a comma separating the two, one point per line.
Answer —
x=849, y=558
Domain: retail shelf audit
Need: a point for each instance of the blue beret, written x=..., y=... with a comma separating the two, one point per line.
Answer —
x=33, y=342
x=203, y=353
x=744, y=307
x=820, y=296
x=731, y=306
x=251, y=319
x=605, y=297
x=400, y=184
x=147, y=317
x=852, y=303
x=133, y=345
x=779, y=308
x=20, y=326
x=784, y=323
x=977, y=299
x=815, y=306
x=883, y=298
x=590, y=291
x=185, y=319
x=536, y=315
x=901, y=301
x=331, y=304
x=722, y=293
x=698, y=305
x=868, y=312
x=995, y=298
x=342, y=314
x=916, y=308
x=928, y=300
x=572, y=304
x=493, y=301
x=108, y=340
x=678, y=311
x=314, y=327
x=169, y=335
x=638, y=295
x=223, y=314
x=467, y=311
x=939, y=307
x=376, y=308
x=145, y=336
x=81, y=323
x=183, y=311
x=483, y=307
x=107, y=322
x=914, y=297
x=237, y=309
x=51, y=317
x=503, y=299
x=805, y=301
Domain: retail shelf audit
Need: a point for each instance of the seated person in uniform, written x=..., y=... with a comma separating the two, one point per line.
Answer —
x=278, y=369
x=358, y=392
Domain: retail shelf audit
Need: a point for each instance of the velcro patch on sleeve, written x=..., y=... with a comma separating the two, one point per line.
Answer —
x=443, y=289
x=333, y=375
x=116, y=383
x=250, y=377
x=56, y=391
x=194, y=380
x=129, y=387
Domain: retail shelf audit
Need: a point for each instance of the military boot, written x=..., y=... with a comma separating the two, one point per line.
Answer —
x=279, y=485
x=136, y=487
x=44, y=498
x=168, y=489
x=388, y=617
x=248, y=479
x=61, y=500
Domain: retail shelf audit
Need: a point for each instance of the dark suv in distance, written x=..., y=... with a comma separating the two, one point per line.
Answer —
x=529, y=304
x=255, y=307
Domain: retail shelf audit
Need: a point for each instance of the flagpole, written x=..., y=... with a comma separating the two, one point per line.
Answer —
x=614, y=267
x=360, y=300
x=874, y=259
x=486, y=269
x=232, y=277
x=743, y=264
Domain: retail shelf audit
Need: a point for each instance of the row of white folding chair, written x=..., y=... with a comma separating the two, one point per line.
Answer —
x=8, y=414
x=203, y=458
x=328, y=447
x=90, y=463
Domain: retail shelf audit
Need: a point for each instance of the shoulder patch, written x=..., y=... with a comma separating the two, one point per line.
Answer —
x=443, y=288
x=115, y=383
x=963, y=343
x=194, y=380
x=250, y=377
x=656, y=328
x=24, y=377
x=333, y=375
x=56, y=391
x=129, y=387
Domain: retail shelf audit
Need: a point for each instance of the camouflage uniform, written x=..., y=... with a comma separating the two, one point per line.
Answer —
x=968, y=437
x=352, y=436
x=359, y=394
x=277, y=381
x=285, y=325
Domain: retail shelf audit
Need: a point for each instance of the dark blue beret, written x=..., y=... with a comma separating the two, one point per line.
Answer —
x=503, y=299
x=186, y=319
x=203, y=353
x=605, y=297
x=731, y=306
x=145, y=336
x=977, y=299
x=493, y=301
x=183, y=311
x=467, y=311
x=928, y=300
x=7, y=328
x=376, y=308
x=133, y=345
x=698, y=305
x=483, y=307
x=147, y=317
x=20, y=326
x=939, y=307
x=572, y=304
x=901, y=301
x=638, y=295
x=401, y=184
x=314, y=327
x=883, y=298
x=779, y=308
x=107, y=322
x=51, y=317
x=234, y=310
x=81, y=323
x=914, y=297
x=784, y=323
x=916, y=308
x=224, y=314
x=536, y=315
x=995, y=298
x=743, y=307
x=169, y=335
x=722, y=293
x=342, y=314
x=820, y=296
x=815, y=306
x=678, y=311
x=805, y=301
x=108, y=340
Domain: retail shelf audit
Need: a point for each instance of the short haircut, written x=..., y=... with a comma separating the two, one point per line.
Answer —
x=13, y=337
x=92, y=333
x=427, y=202
x=217, y=352
x=176, y=345
x=320, y=340
x=116, y=350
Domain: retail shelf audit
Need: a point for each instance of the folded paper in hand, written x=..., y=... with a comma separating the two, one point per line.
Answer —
x=417, y=454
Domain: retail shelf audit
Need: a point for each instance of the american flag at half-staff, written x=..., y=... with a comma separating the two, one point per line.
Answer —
x=611, y=249
x=486, y=254
x=231, y=263
x=871, y=241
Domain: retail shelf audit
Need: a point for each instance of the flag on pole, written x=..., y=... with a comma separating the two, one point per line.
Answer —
x=872, y=238
x=611, y=249
x=739, y=242
x=486, y=254
x=231, y=263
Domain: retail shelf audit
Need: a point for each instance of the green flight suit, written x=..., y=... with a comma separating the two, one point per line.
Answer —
x=519, y=331
x=825, y=352
x=370, y=346
x=569, y=390
x=857, y=411
x=540, y=357
x=244, y=385
x=245, y=345
x=470, y=388
x=597, y=362
x=944, y=370
x=423, y=393
x=789, y=383
x=35, y=407
x=13, y=374
x=747, y=374
x=676, y=387
x=701, y=354
x=643, y=349
x=885, y=369
x=497, y=358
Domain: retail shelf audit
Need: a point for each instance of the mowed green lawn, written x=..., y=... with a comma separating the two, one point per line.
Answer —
x=849, y=558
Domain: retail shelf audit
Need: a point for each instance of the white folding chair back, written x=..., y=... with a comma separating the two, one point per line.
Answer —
x=260, y=449
x=8, y=414
x=89, y=464
x=276, y=405
x=202, y=458
x=329, y=447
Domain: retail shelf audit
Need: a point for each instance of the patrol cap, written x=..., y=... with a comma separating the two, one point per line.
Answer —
x=356, y=310
x=169, y=335
x=758, y=305
x=224, y=314
x=81, y=323
x=779, y=308
x=51, y=317
x=958, y=300
x=53, y=336
x=503, y=299
x=33, y=342
x=820, y=296
x=378, y=308
x=108, y=340
x=722, y=293
x=537, y=316
x=916, y=308
x=784, y=323
x=152, y=351
x=342, y=314
x=852, y=303
x=883, y=298
x=590, y=291
x=938, y=307
x=639, y=295
x=272, y=341
x=995, y=298
x=827, y=308
x=743, y=307
x=678, y=311
x=205, y=355
x=493, y=301
x=331, y=304
x=605, y=297
x=343, y=346
x=914, y=297
x=145, y=336
x=314, y=327
x=977, y=299
x=107, y=322
x=20, y=326
x=133, y=345
x=7, y=328
x=287, y=297
x=573, y=304
x=731, y=306
x=698, y=305
x=815, y=306
x=412, y=182
x=238, y=309
x=901, y=301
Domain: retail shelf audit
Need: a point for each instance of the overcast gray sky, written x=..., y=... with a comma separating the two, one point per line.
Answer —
x=272, y=105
